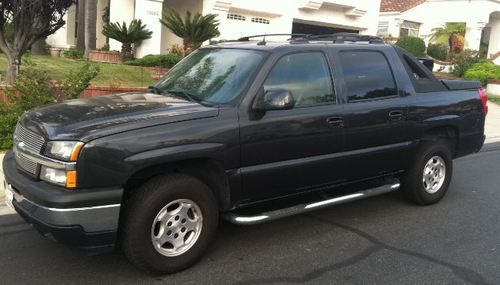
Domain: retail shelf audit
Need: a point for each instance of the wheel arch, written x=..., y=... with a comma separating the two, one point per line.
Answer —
x=206, y=169
x=449, y=133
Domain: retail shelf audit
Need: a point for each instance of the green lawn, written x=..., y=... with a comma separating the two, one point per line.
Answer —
x=115, y=75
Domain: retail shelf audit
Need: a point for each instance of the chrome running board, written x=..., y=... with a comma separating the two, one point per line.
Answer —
x=303, y=208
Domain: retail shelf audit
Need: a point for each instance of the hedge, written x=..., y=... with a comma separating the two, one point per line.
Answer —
x=483, y=71
x=438, y=51
x=414, y=45
x=161, y=60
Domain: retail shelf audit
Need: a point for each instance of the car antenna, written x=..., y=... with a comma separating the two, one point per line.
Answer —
x=263, y=42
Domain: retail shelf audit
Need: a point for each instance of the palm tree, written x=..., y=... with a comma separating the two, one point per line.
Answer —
x=193, y=30
x=452, y=34
x=134, y=34
x=90, y=25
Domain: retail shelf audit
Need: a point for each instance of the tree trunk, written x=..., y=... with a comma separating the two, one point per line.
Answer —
x=80, y=32
x=13, y=67
x=127, y=52
x=188, y=46
x=38, y=48
x=90, y=25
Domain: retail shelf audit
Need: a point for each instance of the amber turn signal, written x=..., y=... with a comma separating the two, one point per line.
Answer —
x=71, y=179
x=76, y=151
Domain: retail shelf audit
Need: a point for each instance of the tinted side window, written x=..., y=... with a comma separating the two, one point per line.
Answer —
x=367, y=75
x=421, y=77
x=306, y=76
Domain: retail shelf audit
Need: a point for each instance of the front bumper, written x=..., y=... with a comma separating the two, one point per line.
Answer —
x=86, y=218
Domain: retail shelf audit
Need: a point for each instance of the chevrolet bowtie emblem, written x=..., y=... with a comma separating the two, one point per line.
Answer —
x=21, y=145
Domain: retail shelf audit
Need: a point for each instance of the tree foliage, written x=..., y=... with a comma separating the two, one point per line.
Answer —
x=414, y=45
x=452, y=34
x=23, y=22
x=134, y=34
x=193, y=30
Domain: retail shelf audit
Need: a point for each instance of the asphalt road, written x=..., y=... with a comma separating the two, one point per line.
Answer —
x=382, y=240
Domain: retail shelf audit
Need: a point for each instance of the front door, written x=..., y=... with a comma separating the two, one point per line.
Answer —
x=289, y=151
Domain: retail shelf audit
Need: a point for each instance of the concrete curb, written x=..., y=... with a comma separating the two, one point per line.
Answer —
x=2, y=193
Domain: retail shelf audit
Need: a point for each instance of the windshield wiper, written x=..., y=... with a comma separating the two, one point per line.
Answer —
x=184, y=95
x=155, y=90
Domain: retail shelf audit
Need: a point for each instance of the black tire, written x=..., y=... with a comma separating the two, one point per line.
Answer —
x=144, y=206
x=412, y=182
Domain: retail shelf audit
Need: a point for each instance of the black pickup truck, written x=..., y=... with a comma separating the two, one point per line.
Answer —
x=250, y=131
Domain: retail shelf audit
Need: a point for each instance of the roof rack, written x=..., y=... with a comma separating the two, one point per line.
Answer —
x=305, y=38
x=247, y=38
x=347, y=38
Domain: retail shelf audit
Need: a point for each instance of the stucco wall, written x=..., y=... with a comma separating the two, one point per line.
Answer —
x=62, y=37
x=101, y=39
x=149, y=11
x=282, y=14
x=121, y=10
x=181, y=6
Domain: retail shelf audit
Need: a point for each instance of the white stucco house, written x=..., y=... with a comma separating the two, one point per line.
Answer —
x=237, y=18
x=418, y=18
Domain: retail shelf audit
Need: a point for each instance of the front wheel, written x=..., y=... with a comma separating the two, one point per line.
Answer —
x=428, y=179
x=168, y=223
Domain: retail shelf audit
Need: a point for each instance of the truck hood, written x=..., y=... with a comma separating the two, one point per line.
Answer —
x=87, y=119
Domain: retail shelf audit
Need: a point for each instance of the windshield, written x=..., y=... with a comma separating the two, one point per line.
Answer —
x=215, y=76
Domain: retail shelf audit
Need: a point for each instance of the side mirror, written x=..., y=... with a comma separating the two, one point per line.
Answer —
x=427, y=62
x=274, y=99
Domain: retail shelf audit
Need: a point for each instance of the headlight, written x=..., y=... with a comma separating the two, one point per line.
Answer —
x=64, y=150
x=58, y=176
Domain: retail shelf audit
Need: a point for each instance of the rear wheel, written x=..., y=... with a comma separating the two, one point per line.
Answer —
x=168, y=224
x=429, y=178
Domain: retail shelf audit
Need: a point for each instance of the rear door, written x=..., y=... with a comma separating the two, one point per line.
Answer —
x=375, y=120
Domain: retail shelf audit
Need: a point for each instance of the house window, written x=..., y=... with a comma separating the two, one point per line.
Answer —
x=383, y=29
x=261, y=21
x=236, y=17
x=408, y=28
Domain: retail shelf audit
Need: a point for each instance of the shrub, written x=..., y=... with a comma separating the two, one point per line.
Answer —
x=177, y=49
x=105, y=47
x=32, y=89
x=73, y=54
x=483, y=71
x=463, y=61
x=161, y=60
x=438, y=51
x=414, y=45
x=74, y=84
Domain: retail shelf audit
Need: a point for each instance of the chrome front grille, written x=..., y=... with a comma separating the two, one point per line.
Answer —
x=27, y=141
x=26, y=164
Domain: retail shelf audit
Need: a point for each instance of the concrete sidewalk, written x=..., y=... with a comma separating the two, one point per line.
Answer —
x=492, y=130
x=492, y=127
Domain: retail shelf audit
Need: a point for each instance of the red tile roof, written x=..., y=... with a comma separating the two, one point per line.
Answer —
x=398, y=5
